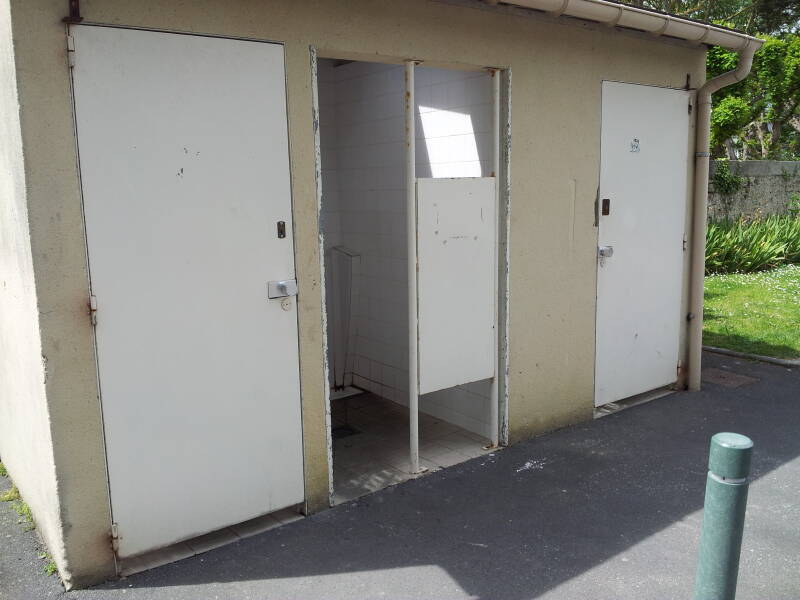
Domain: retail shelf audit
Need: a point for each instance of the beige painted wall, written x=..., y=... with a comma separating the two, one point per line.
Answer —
x=51, y=435
x=557, y=72
x=26, y=446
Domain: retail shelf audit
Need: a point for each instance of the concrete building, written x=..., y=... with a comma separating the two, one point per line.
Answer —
x=264, y=256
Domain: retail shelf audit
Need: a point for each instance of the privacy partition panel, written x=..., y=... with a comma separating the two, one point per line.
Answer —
x=456, y=260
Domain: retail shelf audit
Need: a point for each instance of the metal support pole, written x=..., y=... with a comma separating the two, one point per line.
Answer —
x=411, y=240
x=723, y=517
x=494, y=399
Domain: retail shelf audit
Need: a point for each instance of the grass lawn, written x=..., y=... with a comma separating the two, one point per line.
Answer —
x=758, y=313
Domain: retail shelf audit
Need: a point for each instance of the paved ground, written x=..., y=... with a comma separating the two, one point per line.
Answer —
x=607, y=510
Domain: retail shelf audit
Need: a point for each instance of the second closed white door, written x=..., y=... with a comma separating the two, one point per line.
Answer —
x=641, y=219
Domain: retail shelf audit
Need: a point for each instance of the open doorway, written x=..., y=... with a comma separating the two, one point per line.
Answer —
x=363, y=220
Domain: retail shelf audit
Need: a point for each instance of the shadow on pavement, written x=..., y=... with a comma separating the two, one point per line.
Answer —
x=608, y=509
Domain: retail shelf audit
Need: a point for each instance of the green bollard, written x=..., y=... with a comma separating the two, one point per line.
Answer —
x=723, y=517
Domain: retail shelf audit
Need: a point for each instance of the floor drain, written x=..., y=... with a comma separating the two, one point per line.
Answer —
x=343, y=431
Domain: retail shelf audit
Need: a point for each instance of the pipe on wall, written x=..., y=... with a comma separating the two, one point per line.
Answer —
x=700, y=203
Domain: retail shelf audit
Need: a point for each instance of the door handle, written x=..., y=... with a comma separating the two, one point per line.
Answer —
x=282, y=289
x=605, y=251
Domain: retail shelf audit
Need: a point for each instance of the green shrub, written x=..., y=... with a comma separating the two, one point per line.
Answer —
x=25, y=515
x=725, y=182
x=744, y=246
x=789, y=230
x=793, y=208
x=50, y=568
x=10, y=495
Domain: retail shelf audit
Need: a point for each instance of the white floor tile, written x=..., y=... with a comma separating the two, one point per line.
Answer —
x=377, y=456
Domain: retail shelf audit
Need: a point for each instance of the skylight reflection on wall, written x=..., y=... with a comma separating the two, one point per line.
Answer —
x=450, y=142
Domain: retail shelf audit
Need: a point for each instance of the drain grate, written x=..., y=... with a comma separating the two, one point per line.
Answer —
x=726, y=378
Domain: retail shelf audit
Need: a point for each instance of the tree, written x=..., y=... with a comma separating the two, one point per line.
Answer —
x=775, y=16
x=751, y=16
x=760, y=116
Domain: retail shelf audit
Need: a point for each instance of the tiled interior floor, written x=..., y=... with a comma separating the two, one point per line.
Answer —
x=377, y=455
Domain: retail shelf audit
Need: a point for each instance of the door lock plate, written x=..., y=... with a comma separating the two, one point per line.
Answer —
x=282, y=289
x=604, y=252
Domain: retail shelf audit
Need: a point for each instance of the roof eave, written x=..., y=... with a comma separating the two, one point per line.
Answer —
x=652, y=22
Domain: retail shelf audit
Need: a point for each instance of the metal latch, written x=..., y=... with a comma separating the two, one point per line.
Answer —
x=282, y=289
x=604, y=252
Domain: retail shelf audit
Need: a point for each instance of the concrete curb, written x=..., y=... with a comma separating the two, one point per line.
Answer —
x=784, y=362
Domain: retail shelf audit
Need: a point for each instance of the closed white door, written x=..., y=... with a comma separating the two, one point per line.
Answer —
x=185, y=174
x=641, y=216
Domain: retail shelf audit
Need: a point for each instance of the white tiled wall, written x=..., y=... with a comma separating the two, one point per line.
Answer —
x=454, y=123
x=330, y=220
x=363, y=179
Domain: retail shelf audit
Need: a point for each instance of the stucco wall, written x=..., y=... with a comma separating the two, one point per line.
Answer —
x=54, y=429
x=25, y=444
x=767, y=188
x=557, y=71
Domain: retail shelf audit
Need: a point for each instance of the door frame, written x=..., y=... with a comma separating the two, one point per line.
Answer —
x=303, y=506
x=502, y=147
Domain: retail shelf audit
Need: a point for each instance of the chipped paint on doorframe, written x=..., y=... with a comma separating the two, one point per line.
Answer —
x=504, y=250
x=326, y=387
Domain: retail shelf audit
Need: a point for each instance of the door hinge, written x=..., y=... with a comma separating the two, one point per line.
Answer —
x=680, y=368
x=71, y=50
x=115, y=537
x=93, y=309
x=690, y=107
x=685, y=242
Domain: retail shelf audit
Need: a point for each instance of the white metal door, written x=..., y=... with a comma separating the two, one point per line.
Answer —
x=456, y=262
x=643, y=188
x=185, y=173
